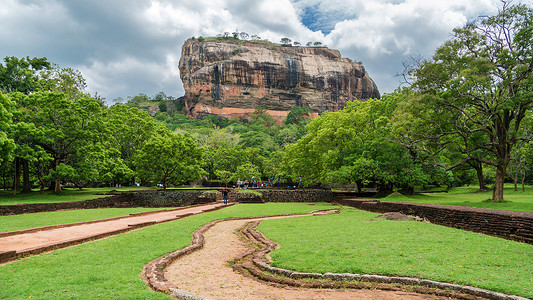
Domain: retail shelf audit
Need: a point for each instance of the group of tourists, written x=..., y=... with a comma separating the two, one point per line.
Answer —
x=256, y=184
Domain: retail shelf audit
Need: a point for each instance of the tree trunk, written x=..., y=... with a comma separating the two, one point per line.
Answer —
x=57, y=181
x=57, y=186
x=26, y=184
x=478, y=166
x=358, y=186
x=497, y=194
x=16, y=178
x=41, y=191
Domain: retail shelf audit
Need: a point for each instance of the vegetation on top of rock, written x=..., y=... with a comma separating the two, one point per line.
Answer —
x=242, y=37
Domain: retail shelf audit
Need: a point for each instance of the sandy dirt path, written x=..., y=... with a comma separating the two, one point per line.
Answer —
x=206, y=273
x=35, y=240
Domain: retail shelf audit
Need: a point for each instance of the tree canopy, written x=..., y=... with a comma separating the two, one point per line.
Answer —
x=475, y=92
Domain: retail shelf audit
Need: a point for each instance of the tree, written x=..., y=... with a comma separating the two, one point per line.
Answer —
x=296, y=43
x=129, y=128
x=350, y=146
x=61, y=127
x=261, y=116
x=480, y=83
x=286, y=41
x=244, y=36
x=138, y=99
x=246, y=171
x=298, y=115
x=170, y=159
x=22, y=75
x=317, y=44
x=6, y=144
x=63, y=80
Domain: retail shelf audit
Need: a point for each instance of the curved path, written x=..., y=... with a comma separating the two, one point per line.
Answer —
x=206, y=273
x=17, y=244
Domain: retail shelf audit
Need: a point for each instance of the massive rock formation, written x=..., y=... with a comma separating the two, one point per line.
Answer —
x=232, y=78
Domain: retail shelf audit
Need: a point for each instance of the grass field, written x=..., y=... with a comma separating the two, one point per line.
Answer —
x=469, y=196
x=17, y=222
x=71, y=195
x=66, y=195
x=110, y=268
x=346, y=243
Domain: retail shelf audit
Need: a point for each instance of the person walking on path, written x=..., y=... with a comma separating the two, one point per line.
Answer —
x=300, y=182
x=225, y=195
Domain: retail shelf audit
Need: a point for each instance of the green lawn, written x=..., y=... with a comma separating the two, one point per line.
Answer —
x=345, y=243
x=469, y=196
x=66, y=195
x=110, y=268
x=70, y=195
x=24, y=221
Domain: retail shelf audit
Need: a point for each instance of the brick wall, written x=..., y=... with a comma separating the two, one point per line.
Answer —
x=297, y=195
x=171, y=198
x=510, y=225
x=130, y=199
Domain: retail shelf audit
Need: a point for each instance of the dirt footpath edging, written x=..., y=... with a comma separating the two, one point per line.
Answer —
x=254, y=262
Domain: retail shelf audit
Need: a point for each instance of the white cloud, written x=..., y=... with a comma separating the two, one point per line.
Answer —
x=124, y=47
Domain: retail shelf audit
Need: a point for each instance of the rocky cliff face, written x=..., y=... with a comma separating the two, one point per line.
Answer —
x=233, y=78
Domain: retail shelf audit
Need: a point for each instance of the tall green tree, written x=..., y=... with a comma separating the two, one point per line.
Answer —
x=6, y=144
x=349, y=146
x=128, y=130
x=22, y=74
x=478, y=83
x=169, y=159
x=59, y=126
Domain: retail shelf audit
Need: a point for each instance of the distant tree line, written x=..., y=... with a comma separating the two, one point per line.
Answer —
x=243, y=36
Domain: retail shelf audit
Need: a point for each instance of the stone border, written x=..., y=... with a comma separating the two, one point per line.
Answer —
x=254, y=262
x=121, y=200
x=152, y=272
x=511, y=225
x=265, y=246
x=37, y=229
x=8, y=256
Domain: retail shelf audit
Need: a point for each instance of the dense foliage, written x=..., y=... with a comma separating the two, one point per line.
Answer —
x=475, y=96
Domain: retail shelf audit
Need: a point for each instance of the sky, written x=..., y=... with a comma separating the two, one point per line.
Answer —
x=127, y=47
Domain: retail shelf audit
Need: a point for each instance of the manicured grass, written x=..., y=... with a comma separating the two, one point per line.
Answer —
x=246, y=191
x=110, y=268
x=66, y=195
x=346, y=243
x=17, y=222
x=469, y=196
x=73, y=195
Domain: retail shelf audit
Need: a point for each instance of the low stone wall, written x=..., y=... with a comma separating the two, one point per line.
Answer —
x=113, y=201
x=510, y=225
x=172, y=198
x=129, y=199
x=297, y=195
